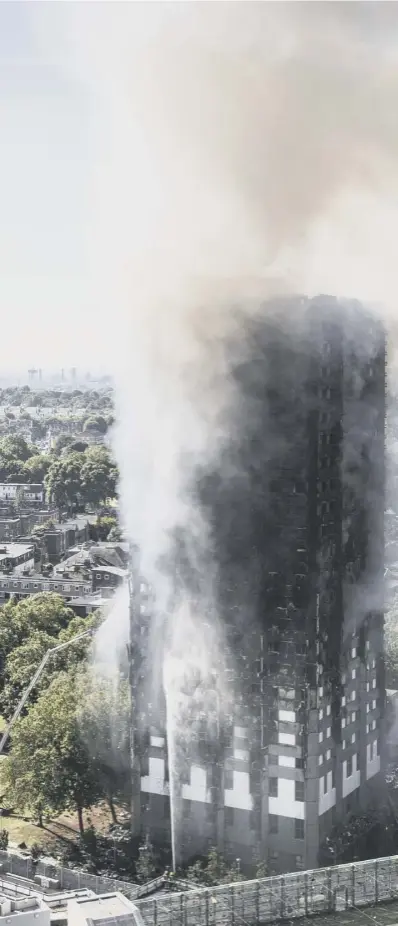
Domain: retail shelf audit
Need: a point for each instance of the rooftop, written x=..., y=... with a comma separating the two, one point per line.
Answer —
x=105, y=905
x=14, y=549
x=32, y=486
x=89, y=600
x=112, y=570
x=114, y=907
x=20, y=904
x=71, y=524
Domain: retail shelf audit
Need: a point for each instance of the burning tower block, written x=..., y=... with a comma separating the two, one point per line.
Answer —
x=295, y=510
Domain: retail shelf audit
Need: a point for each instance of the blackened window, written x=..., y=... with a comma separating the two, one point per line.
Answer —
x=273, y=787
x=273, y=823
x=166, y=810
x=349, y=768
x=228, y=780
x=229, y=816
x=299, y=790
x=299, y=763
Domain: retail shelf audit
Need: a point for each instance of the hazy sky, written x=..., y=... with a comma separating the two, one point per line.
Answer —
x=61, y=63
x=47, y=150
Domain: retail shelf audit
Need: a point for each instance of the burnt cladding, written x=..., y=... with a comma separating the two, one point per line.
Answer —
x=300, y=451
x=255, y=497
x=291, y=510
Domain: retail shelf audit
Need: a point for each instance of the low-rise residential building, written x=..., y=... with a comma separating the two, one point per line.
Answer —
x=30, y=492
x=58, y=540
x=16, y=558
x=23, y=586
x=87, y=604
x=108, y=577
x=10, y=528
x=90, y=555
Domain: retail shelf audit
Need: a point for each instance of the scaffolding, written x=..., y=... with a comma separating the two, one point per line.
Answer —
x=286, y=897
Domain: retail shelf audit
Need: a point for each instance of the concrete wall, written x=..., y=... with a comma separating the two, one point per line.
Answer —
x=38, y=916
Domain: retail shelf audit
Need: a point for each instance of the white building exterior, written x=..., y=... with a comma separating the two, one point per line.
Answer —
x=30, y=492
x=104, y=908
x=24, y=911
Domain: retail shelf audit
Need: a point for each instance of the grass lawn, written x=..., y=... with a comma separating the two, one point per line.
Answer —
x=58, y=832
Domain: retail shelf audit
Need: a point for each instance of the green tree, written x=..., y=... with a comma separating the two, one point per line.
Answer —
x=64, y=481
x=102, y=528
x=80, y=446
x=49, y=769
x=115, y=534
x=16, y=448
x=213, y=870
x=145, y=865
x=96, y=424
x=99, y=476
x=18, y=620
x=23, y=661
x=36, y=468
x=14, y=453
x=105, y=718
x=261, y=867
x=62, y=443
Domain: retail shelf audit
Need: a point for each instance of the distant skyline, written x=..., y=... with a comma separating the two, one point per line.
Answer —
x=49, y=137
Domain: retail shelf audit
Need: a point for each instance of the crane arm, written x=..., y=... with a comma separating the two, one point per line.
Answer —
x=35, y=678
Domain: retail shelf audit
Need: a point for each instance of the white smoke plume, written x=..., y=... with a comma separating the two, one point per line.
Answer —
x=248, y=149
x=252, y=149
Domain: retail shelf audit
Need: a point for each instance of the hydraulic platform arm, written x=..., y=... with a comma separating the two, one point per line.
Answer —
x=21, y=704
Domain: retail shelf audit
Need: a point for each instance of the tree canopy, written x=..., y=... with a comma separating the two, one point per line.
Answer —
x=96, y=423
x=14, y=454
x=50, y=769
x=77, y=479
x=25, y=658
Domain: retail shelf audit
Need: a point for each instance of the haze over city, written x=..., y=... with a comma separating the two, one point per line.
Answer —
x=198, y=552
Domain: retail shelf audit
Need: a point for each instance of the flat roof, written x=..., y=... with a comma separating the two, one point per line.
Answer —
x=113, y=570
x=30, y=902
x=23, y=485
x=14, y=549
x=83, y=600
x=104, y=906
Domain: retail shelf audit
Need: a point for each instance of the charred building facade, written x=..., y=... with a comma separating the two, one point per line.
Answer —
x=295, y=510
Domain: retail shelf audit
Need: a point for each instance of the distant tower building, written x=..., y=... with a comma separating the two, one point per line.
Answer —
x=295, y=510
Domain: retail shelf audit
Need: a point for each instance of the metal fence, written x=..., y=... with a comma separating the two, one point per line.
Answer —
x=70, y=879
x=325, y=890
